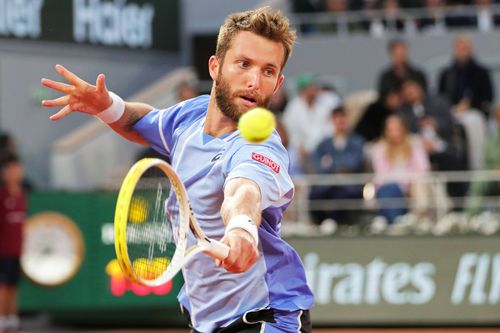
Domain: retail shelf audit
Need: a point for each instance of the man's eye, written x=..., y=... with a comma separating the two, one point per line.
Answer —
x=269, y=72
x=243, y=64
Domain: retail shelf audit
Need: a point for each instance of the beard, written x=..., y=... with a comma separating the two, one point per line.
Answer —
x=224, y=99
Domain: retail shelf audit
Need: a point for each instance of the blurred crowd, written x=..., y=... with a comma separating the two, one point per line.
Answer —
x=379, y=17
x=401, y=134
x=408, y=131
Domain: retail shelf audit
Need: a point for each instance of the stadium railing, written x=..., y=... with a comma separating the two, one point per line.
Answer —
x=430, y=209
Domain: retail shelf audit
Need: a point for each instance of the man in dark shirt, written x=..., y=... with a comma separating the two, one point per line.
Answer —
x=399, y=70
x=466, y=83
x=12, y=216
x=372, y=122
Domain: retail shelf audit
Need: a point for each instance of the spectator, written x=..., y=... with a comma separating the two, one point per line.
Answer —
x=479, y=190
x=306, y=117
x=8, y=147
x=434, y=20
x=394, y=159
x=431, y=117
x=399, y=70
x=12, y=216
x=393, y=20
x=371, y=124
x=466, y=83
x=486, y=19
x=341, y=25
x=340, y=154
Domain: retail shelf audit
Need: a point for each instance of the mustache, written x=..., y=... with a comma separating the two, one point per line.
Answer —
x=255, y=95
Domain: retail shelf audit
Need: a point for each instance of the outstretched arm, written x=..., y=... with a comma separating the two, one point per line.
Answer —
x=80, y=96
x=242, y=197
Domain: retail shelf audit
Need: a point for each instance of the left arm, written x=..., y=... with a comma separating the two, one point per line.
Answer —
x=241, y=197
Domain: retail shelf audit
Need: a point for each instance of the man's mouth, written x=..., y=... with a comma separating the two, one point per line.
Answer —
x=249, y=100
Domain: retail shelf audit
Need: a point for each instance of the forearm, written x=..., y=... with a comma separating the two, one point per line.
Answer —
x=133, y=113
x=242, y=197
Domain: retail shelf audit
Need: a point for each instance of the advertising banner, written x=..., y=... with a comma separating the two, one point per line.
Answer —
x=136, y=24
x=98, y=293
x=403, y=280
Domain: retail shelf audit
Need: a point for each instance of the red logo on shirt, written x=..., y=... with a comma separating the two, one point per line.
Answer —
x=266, y=161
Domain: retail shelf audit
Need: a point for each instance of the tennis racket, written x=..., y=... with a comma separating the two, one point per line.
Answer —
x=152, y=219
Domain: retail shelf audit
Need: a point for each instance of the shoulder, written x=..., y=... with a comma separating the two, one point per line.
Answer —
x=378, y=147
x=186, y=112
x=197, y=105
x=272, y=149
x=356, y=139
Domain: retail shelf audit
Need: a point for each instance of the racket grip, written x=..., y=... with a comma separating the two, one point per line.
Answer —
x=217, y=249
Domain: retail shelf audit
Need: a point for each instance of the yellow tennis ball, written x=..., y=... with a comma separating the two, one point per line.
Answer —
x=256, y=125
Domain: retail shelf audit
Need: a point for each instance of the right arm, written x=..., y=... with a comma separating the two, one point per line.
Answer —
x=80, y=96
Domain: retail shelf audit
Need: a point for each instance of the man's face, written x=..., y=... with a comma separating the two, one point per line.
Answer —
x=249, y=74
x=12, y=173
x=412, y=92
x=399, y=54
x=339, y=121
x=462, y=50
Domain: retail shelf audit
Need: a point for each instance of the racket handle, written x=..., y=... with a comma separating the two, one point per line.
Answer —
x=217, y=249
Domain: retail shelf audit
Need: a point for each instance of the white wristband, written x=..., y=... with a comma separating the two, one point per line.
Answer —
x=246, y=223
x=115, y=110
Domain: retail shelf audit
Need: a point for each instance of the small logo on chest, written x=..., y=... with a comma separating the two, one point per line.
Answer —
x=216, y=157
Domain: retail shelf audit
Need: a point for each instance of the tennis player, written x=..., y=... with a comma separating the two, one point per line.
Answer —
x=238, y=190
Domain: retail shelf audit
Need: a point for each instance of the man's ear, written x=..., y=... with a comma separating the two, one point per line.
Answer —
x=279, y=83
x=213, y=67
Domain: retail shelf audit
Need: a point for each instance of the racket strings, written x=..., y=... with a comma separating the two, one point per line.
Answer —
x=150, y=231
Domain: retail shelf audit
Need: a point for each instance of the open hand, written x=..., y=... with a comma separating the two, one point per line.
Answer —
x=79, y=95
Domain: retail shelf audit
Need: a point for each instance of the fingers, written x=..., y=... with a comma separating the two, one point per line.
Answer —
x=61, y=114
x=61, y=101
x=70, y=76
x=242, y=254
x=59, y=86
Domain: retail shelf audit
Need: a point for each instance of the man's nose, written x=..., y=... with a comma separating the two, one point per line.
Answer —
x=253, y=79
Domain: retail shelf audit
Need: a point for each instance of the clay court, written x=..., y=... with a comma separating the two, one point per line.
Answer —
x=325, y=330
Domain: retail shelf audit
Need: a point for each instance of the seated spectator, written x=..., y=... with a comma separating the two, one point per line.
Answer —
x=394, y=159
x=486, y=19
x=306, y=117
x=392, y=21
x=431, y=117
x=466, y=83
x=340, y=154
x=371, y=124
x=480, y=189
x=341, y=24
x=434, y=19
x=399, y=70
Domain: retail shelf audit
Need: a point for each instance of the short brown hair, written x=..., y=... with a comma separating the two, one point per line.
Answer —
x=264, y=21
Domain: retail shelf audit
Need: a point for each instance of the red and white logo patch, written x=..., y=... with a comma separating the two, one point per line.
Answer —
x=266, y=161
